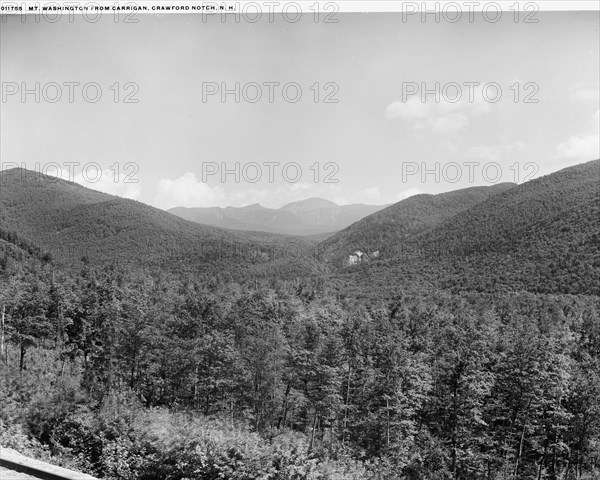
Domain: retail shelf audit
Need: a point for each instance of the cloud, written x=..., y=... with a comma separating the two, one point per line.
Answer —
x=120, y=186
x=450, y=123
x=580, y=146
x=410, y=192
x=103, y=180
x=585, y=92
x=412, y=109
x=584, y=146
x=187, y=191
x=368, y=195
x=439, y=114
x=494, y=153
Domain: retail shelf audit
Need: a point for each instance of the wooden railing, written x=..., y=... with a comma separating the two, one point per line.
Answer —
x=13, y=460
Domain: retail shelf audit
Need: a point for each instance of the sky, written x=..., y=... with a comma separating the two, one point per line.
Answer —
x=379, y=137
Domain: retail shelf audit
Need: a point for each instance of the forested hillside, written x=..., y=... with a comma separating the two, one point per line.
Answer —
x=71, y=223
x=502, y=220
x=386, y=231
x=470, y=350
x=542, y=236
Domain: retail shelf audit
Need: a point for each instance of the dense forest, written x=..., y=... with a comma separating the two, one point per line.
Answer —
x=473, y=363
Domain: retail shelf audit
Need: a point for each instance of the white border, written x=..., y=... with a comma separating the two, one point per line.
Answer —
x=306, y=6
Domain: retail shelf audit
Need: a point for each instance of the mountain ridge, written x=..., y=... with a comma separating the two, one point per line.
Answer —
x=72, y=222
x=385, y=229
x=308, y=217
x=542, y=236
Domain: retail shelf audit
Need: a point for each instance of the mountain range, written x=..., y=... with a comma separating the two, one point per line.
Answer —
x=542, y=236
x=310, y=217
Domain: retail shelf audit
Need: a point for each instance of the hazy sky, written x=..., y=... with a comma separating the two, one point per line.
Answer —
x=365, y=140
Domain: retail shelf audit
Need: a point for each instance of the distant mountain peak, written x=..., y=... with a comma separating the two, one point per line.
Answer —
x=311, y=216
x=254, y=206
x=313, y=202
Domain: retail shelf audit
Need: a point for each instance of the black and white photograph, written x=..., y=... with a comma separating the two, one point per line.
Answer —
x=299, y=240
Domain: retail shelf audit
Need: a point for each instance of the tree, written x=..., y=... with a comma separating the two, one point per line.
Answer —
x=27, y=323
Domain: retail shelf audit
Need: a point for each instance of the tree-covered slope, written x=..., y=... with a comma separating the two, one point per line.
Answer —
x=73, y=222
x=542, y=236
x=387, y=230
x=501, y=221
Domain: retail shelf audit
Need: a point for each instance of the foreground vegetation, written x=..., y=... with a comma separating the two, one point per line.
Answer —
x=139, y=376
